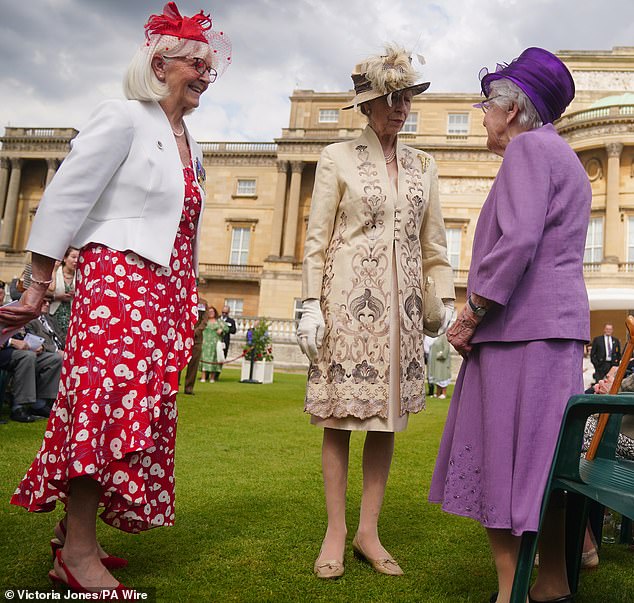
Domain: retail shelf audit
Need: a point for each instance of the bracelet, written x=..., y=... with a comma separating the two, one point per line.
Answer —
x=39, y=282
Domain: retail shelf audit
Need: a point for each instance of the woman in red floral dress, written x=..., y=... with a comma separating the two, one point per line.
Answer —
x=129, y=195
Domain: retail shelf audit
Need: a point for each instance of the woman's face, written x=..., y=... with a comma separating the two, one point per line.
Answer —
x=497, y=124
x=185, y=82
x=71, y=259
x=213, y=313
x=385, y=120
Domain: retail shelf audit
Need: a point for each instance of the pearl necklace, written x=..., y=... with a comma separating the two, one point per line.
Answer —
x=389, y=158
x=178, y=133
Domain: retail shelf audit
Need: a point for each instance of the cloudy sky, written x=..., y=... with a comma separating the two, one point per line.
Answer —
x=58, y=58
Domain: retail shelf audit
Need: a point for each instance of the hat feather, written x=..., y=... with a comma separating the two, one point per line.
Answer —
x=391, y=71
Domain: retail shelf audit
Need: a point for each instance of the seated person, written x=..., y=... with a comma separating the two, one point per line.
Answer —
x=46, y=327
x=35, y=378
x=624, y=449
x=625, y=443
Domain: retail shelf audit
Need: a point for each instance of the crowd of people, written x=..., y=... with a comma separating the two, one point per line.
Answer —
x=108, y=314
x=32, y=360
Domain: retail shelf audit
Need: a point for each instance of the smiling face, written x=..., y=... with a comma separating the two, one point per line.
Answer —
x=185, y=83
x=388, y=121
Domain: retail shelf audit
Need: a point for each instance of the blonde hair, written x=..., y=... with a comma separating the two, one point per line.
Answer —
x=140, y=81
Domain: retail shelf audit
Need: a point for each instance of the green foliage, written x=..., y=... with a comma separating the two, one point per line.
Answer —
x=259, y=345
x=250, y=513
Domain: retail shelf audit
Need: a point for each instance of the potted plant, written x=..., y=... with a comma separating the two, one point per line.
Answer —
x=257, y=361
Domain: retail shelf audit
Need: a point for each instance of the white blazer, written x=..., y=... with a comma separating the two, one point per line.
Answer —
x=121, y=185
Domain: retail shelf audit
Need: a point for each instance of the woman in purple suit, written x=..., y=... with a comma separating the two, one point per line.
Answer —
x=526, y=316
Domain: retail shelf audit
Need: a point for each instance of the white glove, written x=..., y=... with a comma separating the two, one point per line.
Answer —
x=310, y=330
x=450, y=315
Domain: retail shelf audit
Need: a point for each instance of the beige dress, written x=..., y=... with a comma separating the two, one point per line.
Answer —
x=394, y=421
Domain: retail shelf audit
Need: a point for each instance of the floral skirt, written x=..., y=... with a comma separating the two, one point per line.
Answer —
x=115, y=417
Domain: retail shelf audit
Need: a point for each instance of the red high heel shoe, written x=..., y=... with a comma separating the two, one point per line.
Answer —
x=110, y=562
x=72, y=583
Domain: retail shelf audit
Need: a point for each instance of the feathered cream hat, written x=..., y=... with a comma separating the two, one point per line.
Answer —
x=381, y=75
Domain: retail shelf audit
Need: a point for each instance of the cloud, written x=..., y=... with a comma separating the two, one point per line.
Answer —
x=61, y=57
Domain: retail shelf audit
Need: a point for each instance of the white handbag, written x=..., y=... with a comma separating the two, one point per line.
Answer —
x=220, y=352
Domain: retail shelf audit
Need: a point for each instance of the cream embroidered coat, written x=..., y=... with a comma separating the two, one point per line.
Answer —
x=355, y=223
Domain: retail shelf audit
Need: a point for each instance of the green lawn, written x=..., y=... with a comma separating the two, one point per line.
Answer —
x=250, y=514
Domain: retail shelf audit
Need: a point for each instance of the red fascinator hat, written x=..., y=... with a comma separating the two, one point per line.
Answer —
x=198, y=28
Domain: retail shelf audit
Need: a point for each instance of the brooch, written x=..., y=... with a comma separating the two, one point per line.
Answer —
x=200, y=172
x=424, y=161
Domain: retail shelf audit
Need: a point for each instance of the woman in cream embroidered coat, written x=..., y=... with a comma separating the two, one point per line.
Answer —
x=375, y=232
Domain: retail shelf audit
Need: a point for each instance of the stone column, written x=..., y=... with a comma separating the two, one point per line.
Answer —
x=290, y=230
x=11, y=211
x=4, y=182
x=51, y=164
x=612, y=241
x=278, y=212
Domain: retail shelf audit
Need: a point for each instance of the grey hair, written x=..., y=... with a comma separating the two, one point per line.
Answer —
x=140, y=81
x=506, y=93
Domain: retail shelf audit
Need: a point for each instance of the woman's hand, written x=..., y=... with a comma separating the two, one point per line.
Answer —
x=17, y=315
x=460, y=333
x=65, y=297
x=310, y=330
x=450, y=313
x=604, y=386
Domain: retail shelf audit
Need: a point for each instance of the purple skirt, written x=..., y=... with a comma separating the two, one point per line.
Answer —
x=502, y=428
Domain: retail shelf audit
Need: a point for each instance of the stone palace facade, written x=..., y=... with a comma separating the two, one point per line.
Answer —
x=259, y=193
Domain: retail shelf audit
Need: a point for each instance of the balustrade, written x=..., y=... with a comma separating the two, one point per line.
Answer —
x=280, y=329
x=239, y=147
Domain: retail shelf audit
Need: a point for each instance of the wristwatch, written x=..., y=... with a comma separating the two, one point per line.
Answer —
x=479, y=311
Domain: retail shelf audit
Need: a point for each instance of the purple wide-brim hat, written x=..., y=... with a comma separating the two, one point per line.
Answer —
x=542, y=76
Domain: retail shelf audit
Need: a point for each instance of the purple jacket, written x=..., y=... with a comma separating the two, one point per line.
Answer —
x=529, y=243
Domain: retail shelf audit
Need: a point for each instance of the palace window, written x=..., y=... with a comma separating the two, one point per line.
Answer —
x=240, y=239
x=236, y=306
x=411, y=123
x=454, y=243
x=458, y=124
x=630, y=239
x=246, y=187
x=594, y=242
x=328, y=116
x=297, y=308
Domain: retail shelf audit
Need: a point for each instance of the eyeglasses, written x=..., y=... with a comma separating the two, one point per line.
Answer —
x=200, y=65
x=485, y=105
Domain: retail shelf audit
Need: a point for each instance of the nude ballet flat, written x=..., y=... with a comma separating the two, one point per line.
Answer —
x=328, y=569
x=385, y=565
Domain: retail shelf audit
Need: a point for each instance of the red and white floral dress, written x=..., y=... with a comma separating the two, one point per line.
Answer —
x=114, y=419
